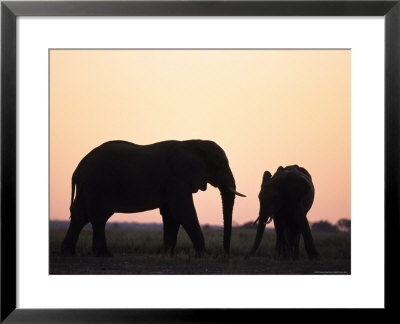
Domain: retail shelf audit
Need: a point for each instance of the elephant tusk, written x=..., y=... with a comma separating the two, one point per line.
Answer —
x=235, y=192
x=269, y=220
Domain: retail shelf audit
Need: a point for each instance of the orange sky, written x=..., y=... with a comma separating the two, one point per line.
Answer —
x=265, y=108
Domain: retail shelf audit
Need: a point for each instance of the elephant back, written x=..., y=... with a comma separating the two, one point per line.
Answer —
x=294, y=180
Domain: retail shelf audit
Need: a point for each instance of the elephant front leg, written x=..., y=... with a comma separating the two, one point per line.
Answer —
x=182, y=208
x=171, y=228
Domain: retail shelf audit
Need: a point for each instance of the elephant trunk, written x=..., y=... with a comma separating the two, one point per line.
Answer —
x=227, y=187
x=228, y=199
x=259, y=235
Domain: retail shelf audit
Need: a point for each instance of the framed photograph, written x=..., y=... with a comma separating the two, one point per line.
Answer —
x=180, y=154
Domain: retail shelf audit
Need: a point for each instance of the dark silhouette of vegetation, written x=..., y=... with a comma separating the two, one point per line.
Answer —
x=344, y=224
x=249, y=225
x=324, y=226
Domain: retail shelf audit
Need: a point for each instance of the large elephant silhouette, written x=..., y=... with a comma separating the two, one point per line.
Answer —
x=120, y=176
x=286, y=198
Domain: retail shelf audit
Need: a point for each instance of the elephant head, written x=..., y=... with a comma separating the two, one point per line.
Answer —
x=198, y=162
x=270, y=202
x=285, y=198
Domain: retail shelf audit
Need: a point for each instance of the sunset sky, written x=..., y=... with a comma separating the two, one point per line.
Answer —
x=265, y=108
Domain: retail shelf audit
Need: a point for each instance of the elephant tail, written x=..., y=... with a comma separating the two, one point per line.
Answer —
x=73, y=183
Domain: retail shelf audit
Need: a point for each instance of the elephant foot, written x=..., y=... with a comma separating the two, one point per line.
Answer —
x=283, y=257
x=200, y=253
x=314, y=256
x=169, y=251
x=170, y=254
x=68, y=251
x=293, y=255
x=103, y=253
x=253, y=251
x=280, y=257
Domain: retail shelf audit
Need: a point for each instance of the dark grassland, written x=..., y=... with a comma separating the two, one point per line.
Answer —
x=140, y=251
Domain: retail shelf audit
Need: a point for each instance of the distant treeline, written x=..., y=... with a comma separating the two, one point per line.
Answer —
x=126, y=225
x=56, y=223
x=343, y=225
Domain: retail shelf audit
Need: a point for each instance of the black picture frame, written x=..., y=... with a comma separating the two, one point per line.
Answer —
x=11, y=10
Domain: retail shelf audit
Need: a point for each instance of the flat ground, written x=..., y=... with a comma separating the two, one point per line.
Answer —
x=141, y=252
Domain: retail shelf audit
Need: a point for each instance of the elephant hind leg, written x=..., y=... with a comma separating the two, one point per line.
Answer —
x=280, y=246
x=78, y=221
x=99, y=245
x=287, y=244
x=308, y=241
x=171, y=228
x=296, y=245
x=293, y=241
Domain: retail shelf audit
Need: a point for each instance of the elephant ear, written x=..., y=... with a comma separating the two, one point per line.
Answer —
x=188, y=165
x=271, y=192
x=266, y=177
x=305, y=172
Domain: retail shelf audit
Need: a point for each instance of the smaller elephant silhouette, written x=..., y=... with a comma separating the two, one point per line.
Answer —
x=286, y=197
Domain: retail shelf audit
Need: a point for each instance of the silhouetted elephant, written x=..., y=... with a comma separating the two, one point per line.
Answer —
x=123, y=177
x=286, y=198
